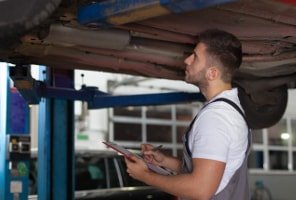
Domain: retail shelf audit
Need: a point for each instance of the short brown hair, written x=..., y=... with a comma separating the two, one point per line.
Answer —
x=224, y=47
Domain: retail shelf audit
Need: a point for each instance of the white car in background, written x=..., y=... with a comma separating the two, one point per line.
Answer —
x=101, y=174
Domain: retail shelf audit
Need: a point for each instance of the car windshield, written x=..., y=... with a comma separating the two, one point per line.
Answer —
x=90, y=173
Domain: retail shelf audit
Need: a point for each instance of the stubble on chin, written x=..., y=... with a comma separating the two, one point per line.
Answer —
x=187, y=78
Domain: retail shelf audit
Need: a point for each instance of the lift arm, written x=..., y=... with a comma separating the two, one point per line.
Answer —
x=33, y=91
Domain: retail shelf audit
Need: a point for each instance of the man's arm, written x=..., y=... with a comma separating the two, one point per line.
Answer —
x=201, y=184
x=172, y=163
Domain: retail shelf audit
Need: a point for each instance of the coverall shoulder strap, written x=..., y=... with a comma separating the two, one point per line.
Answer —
x=234, y=105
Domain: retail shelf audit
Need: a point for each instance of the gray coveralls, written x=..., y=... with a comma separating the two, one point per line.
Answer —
x=238, y=186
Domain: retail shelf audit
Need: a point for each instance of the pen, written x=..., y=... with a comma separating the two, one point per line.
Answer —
x=157, y=148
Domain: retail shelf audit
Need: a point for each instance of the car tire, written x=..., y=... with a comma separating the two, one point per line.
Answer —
x=18, y=17
x=267, y=114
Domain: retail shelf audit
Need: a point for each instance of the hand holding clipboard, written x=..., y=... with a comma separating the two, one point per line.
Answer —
x=126, y=153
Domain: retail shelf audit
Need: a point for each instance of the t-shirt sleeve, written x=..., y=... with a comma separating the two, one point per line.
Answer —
x=210, y=139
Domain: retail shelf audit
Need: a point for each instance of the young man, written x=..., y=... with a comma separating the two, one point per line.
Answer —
x=217, y=142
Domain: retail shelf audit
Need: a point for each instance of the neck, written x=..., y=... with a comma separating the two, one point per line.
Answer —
x=210, y=91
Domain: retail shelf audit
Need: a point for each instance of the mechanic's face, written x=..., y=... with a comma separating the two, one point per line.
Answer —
x=196, y=66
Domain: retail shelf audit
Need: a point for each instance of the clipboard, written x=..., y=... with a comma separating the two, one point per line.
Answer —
x=126, y=153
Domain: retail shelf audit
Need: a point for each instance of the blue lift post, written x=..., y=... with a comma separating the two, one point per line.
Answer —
x=56, y=141
x=44, y=143
x=4, y=172
x=63, y=138
x=14, y=142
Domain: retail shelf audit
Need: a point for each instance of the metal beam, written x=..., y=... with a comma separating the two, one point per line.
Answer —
x=34, y=90
x=97, y=99
x=143, y=99
x=179, y=6
x=118, y=12
x=23, y=81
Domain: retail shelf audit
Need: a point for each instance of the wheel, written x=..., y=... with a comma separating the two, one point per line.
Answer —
x=265, y=108
x=18, y=17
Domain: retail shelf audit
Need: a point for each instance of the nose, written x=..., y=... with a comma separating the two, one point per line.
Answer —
x=188, y=60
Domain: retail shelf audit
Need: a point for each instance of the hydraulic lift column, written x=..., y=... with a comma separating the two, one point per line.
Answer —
x=56, y=140
x=14, y=141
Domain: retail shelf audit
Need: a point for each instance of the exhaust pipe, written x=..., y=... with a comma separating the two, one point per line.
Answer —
x=67, y=36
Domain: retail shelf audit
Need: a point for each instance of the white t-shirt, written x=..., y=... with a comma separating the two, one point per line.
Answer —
x=220, y=133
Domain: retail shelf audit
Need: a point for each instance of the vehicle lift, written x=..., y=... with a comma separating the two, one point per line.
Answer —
x=55, y=93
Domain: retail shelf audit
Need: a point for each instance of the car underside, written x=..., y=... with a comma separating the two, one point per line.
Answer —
x=151, y=39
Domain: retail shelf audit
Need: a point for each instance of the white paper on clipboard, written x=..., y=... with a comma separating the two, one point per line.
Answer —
x=128, y=154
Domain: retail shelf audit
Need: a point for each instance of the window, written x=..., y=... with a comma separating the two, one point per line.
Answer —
x=163, y=124
x=274, y=147
x=256, y=160
x=184, y=113
x=130, y=111
x=294, y=160
x=113, y=180
x=127, y=131
x=159, y=133
x=276, y=134
x=278, y=160
x=159, y=112
x=257, y=136
x=90, y=173
x=293, y=130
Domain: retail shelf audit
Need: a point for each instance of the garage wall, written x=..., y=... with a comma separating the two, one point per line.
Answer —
x=281, y=186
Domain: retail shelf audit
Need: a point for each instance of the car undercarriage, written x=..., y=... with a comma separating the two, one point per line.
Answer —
x=150, y=39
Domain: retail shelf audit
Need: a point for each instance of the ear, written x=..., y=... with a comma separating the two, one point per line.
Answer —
x=212, y=73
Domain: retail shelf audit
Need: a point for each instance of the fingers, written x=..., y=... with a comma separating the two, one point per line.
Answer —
x=148, y=158
x=128, y=171
x=151, y=155
x=135, y=166
x=146, y=147
x=129, y=162
x=147, y=151
x=130, y=159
